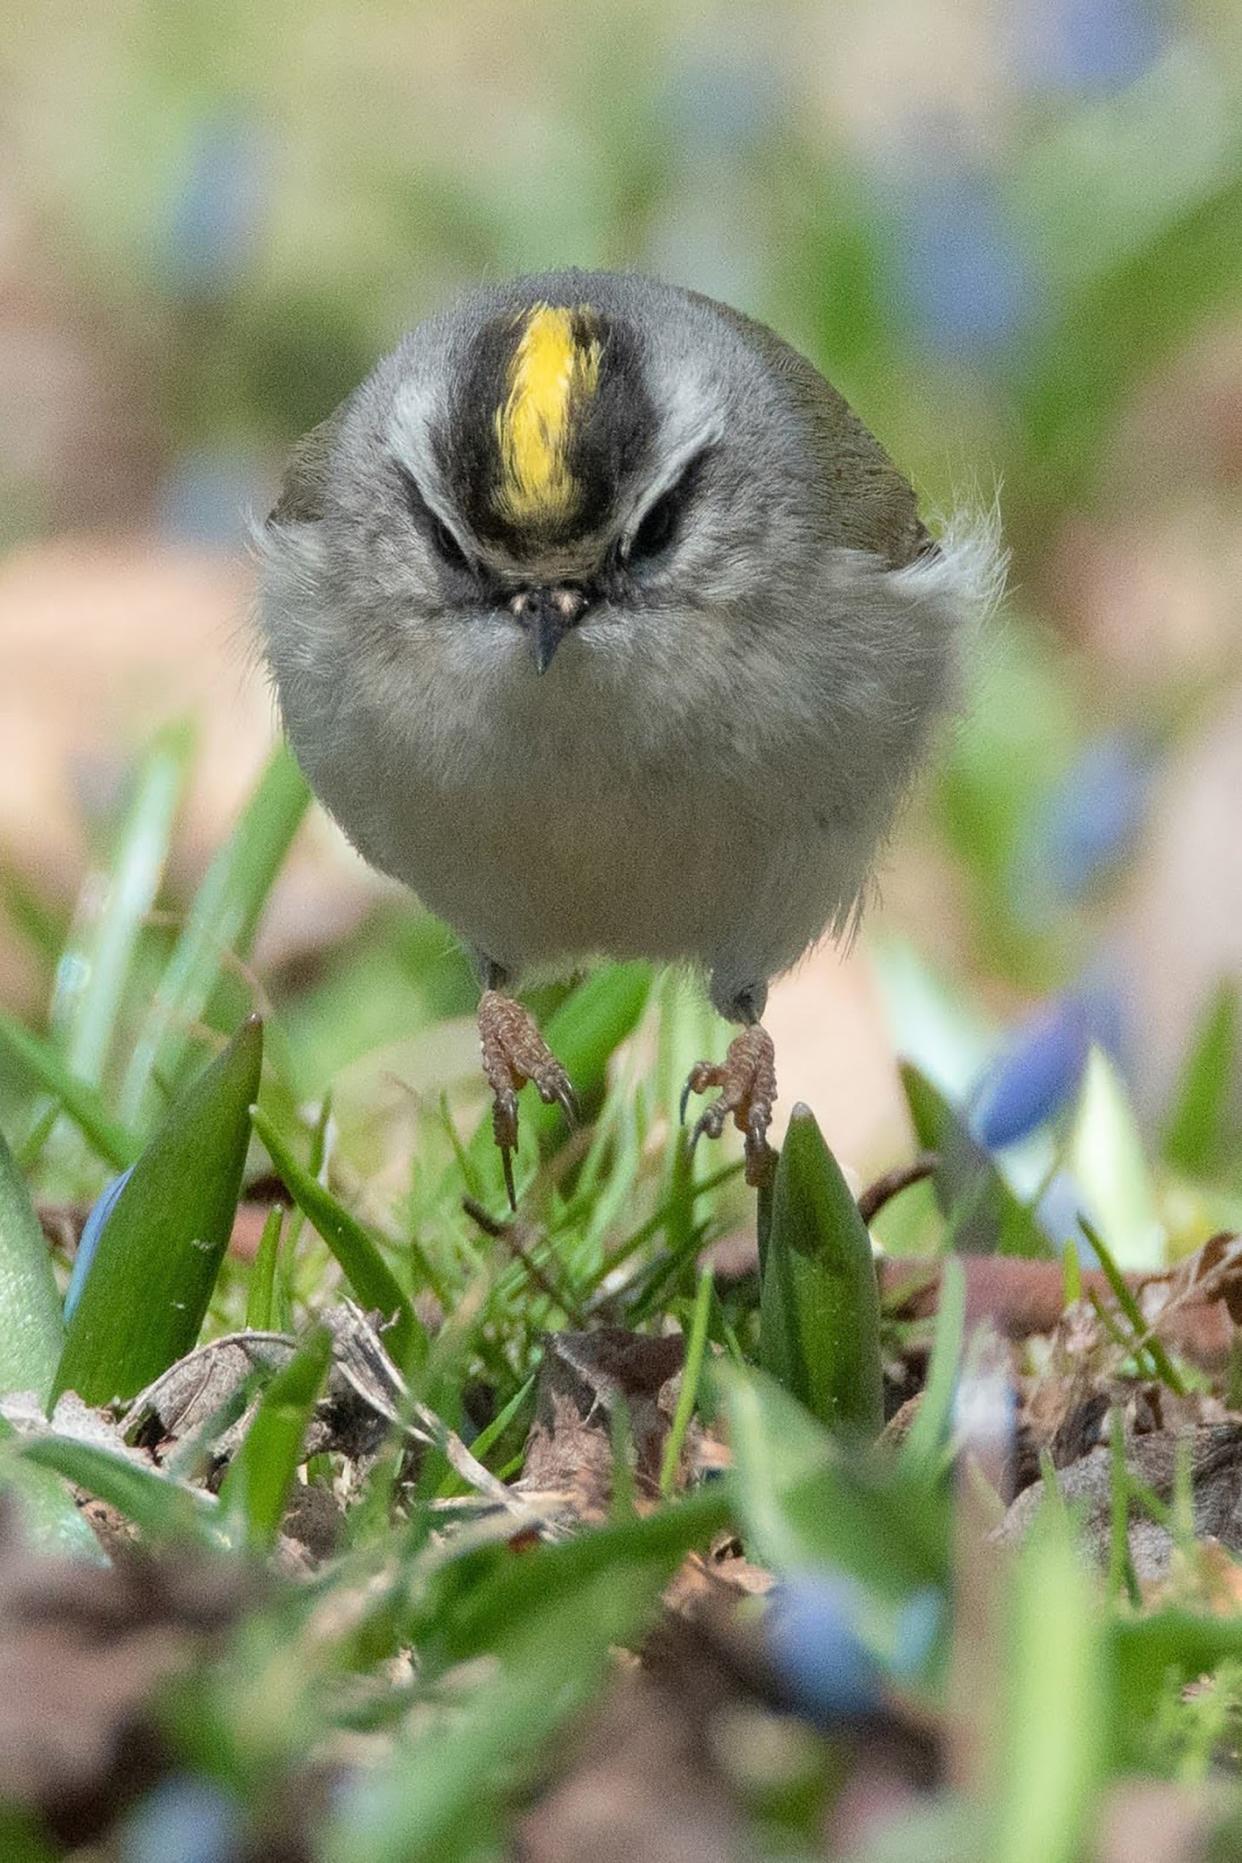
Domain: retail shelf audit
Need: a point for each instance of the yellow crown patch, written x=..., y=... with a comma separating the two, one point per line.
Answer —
x=554, y=367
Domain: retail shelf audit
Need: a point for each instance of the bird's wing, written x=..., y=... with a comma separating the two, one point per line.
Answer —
x=877, y=511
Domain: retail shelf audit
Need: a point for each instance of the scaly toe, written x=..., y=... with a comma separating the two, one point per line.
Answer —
x=747, y=1082
x=514, y=1052
x=556, y=1089
x=702, y=1075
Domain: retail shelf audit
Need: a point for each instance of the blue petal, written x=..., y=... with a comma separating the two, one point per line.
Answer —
x=191, y=1820
x=1093, y=819
x=88, y=1243
x=814, y=1644
x=214, y=214
x=1038, y=1073
x=1088, y=45
x=966, y=283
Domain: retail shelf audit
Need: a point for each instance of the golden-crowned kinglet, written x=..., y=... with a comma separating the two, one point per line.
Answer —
x=600, y=620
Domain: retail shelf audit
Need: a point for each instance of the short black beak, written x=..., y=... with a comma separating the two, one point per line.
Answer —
x=547, y=615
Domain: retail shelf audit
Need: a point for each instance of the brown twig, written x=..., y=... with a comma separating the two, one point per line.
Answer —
x=885, y=1188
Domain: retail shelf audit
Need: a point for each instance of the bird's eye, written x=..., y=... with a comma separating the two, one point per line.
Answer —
x=443, y=541
x=662, y=522
x=447, y=546
x=655, y=533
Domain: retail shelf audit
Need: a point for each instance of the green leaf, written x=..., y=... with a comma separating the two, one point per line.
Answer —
x=984, y=1214
x=32, y=1337
x=355, y=1248
x=146, y=1295
x=1151, y=1653
x=40, y=923
x=1105, y=1158
x=220, y=927
x=78, y=1098
x=163, y=1508
x=696, y=1345
x=49, y=1516
x=1194, y=1139
x=805, y=1501
x=256, y=1489
x=929, y=1433
x=261, y=1295
x=548, y=1621
x=474, y=1614
x=1053, y=1728
x=31, y=1328
x=819, y=1324
x=1115, y=332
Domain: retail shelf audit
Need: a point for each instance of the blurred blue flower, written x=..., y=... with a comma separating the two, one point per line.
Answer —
x=966, y=285
x=213, y=216
x=1036, y=1074
x=1041, y=1066
x=1093, y=818
x=1087, y=45
x=183, y=1820
x=88, y=1242
x=816, y=1645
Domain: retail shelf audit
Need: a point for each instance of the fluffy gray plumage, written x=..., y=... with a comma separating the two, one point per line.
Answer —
x=709, y=765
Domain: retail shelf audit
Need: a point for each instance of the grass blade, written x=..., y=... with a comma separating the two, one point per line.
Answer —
x=1194, y=1138
x=100, y=951
x=695, y=1348
x=804, y=1501
x=31, y=1339
x=929, y=1433
x=1105, y=1158
x=256, y=1489
x=147, y=1291
x=221, y=924
x=31, y=1328
x=1145, y=1341
x=261, y=1295
x=551, y=1618
x=164, y=1509
x=356, y=1249
x=819, y=1310
x=110, y=1139
x=1053, y=1730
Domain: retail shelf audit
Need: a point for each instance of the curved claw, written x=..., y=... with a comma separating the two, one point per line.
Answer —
x=558, y=1091
x=686, y=1091
x=709, y=1124
x=506, y=1165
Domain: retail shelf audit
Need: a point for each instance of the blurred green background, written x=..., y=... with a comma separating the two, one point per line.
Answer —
x=1013, y=237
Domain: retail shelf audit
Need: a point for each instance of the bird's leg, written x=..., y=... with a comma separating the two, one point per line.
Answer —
x=747, y=1081
x=514, y=1052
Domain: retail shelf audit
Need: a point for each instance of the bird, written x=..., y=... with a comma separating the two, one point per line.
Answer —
x=599, y=619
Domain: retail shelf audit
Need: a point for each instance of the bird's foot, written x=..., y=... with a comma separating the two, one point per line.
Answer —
x=514, y=1052
x=747, y=1081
